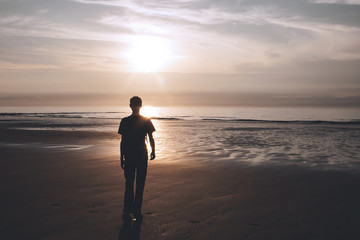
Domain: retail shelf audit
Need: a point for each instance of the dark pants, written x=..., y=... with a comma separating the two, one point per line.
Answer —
x=133, y=203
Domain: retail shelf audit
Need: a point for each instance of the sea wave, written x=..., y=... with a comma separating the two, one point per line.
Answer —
x=119, y=115
x=167, y=118
x=106, y=115
x=354, y=121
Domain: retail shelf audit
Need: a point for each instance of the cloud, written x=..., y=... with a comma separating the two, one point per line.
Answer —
x=346, y=2
x=263, y=43
x=16, y=20
x=145, y=18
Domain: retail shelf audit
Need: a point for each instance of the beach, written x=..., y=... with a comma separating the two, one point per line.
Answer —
x=68, y=184
x=252, y=109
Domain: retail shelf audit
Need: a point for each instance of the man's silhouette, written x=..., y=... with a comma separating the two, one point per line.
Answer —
x=134, y=155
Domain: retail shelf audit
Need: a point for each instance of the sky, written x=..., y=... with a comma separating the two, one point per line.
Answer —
x=180, y=52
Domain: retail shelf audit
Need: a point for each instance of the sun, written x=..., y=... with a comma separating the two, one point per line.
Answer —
x=149, y=111
x=148, y=54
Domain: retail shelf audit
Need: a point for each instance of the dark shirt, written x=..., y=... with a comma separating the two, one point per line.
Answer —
x=133, y=130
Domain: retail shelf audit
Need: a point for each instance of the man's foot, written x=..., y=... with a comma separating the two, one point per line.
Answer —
x=127, y=211
x=126, y=217
x=138, y=216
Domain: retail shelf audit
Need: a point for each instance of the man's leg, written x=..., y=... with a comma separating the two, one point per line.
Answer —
x=140, y=184
x=129, y=173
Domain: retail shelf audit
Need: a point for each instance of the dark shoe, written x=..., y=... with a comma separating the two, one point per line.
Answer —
x=127, y=211
x=126, y=217
x=138, y=216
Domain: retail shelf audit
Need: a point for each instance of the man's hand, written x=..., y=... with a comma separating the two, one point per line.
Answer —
x=152, y=144
x=152, y=155
x=122, y=161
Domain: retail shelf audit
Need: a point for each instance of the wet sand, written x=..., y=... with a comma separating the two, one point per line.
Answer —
x=59, y=193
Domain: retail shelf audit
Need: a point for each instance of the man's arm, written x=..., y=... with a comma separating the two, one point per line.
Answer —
x=122, y=144
x=122, y=153
x=152, y=145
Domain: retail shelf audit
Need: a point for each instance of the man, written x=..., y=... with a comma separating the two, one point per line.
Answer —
x=134, y=155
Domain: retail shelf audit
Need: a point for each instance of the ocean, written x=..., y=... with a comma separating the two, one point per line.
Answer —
x=323, y=138
x=194, y=113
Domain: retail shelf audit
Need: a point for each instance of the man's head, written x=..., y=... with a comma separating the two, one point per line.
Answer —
x=135, y=103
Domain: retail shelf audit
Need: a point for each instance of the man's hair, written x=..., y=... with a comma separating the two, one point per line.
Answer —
x=135, y=101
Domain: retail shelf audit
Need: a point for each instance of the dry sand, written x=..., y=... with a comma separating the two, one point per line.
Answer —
x=52, y=193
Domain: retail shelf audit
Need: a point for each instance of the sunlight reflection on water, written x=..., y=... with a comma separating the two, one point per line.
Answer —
x=254, y=143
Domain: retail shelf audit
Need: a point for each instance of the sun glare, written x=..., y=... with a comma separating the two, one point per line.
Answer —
x=149, y=111
x=148, y=54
